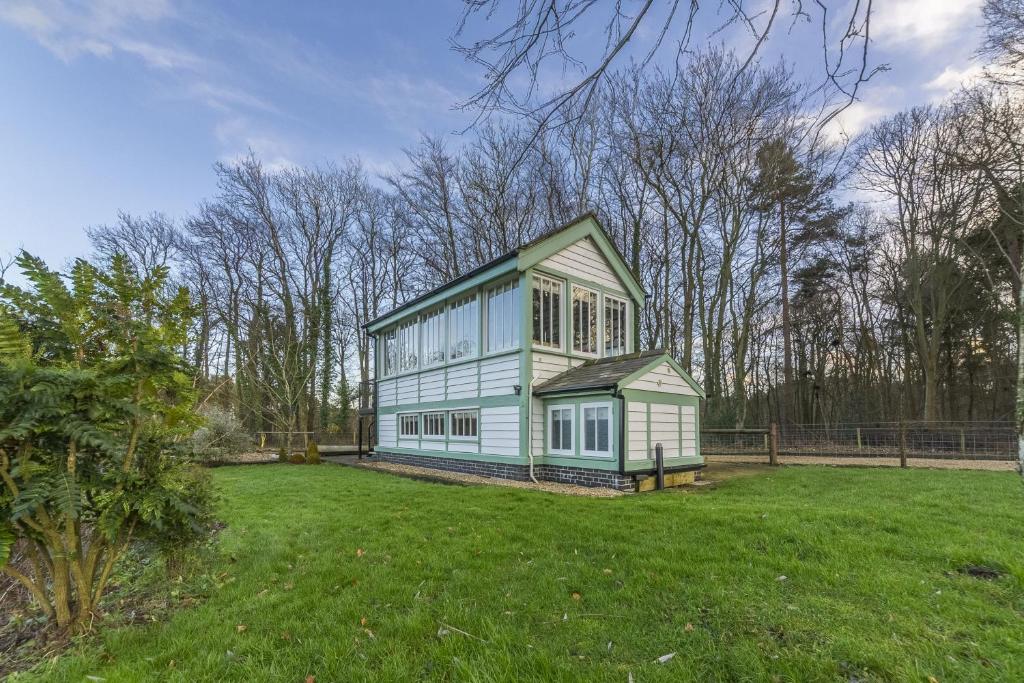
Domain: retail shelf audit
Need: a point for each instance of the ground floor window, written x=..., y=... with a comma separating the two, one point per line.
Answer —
x=433, y=424
x=464, y=424
x=597, y=436
x=408, y=425
x=560, y=430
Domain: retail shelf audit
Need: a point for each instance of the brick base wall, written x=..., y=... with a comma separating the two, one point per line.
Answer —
x=579, y=476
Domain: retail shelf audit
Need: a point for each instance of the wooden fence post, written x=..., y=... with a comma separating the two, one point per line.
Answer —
x=903, y=445
x=858, y=439
x=773, y=444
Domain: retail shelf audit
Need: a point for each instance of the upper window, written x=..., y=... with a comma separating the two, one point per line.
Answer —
x=408, y=347
x=614, y=326
x=433, y=424
x=596, y=429
x=464, y=424
x=584, y=319
x=503, y=317
x=560, y=430
x=408, y=425
x=547, y=312
x=463, y=325
x=389, y=353
x=433, y=338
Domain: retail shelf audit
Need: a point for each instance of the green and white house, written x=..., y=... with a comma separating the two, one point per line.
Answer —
x=526, y=367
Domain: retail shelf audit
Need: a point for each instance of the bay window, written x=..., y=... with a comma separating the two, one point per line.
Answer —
x=547, y=312
x=584, y=320
x=503, y=317
x=408, y=347
x=560, y=430
x=615, y=330
x=464, y=424
x=433, y=338
x=596, y=425
x=463, y=325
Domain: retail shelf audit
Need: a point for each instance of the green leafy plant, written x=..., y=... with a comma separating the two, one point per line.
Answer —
x=312, y=454
x=297, y=459
x=95, y=409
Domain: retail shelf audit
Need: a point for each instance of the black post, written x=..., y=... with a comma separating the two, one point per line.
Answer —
x=359, y=448
x=659, y=457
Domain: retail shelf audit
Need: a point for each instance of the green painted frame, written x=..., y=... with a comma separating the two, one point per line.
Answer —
x=647, y=398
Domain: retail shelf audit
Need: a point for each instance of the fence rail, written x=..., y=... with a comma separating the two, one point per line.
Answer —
x=966, y=441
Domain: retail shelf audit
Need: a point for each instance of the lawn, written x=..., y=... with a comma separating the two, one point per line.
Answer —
x=796, y=574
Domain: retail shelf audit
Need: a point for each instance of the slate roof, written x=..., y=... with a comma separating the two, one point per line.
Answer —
x=601, y=373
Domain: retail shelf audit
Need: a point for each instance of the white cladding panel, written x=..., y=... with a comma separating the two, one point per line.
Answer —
x=428, y=445
x=408, y=443
x=664, y=379
x=499, y=430
x=432, y=385
x=463, y=447
x=387, y=392
x=665, y=429
x=462, y=381
x=689, y=420
x=408, y=389
x=583, y=259
x=636, y=421
x=386, y=430
x=499, y=375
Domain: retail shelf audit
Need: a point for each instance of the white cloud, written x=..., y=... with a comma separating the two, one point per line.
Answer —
x=953, y=78
x=924, y=24
x=855, y=119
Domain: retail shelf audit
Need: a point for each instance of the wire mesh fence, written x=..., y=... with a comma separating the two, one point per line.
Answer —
x=927, y=440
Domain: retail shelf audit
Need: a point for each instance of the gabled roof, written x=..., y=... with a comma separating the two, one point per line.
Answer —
x=602, y=373
x=528, y=254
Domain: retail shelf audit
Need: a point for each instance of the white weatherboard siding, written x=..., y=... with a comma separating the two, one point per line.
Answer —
x=545, y=366
x=663, y=379
x=428, y=445
x=499, y=375
x=463, y=447
x=387, y=430
x=584, y=260
x=636, y=421
x=499, y=430
x=665, y=429
x=462, y=381
x=408, y=389
x=432, y=385
x=387, y=394
x=688, y=415
x=408, y=443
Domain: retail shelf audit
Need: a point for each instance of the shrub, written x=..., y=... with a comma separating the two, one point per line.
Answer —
x=312, y=454
x=96, y=404
x=221, y=435
x=282, y=454
x=296, y=459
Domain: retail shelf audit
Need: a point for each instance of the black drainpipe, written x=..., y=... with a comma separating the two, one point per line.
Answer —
x=622, y=431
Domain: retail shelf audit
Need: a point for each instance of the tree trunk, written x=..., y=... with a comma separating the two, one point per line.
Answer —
x=787, y=341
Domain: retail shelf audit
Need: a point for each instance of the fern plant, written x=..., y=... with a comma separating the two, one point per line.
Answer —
x=94, y=402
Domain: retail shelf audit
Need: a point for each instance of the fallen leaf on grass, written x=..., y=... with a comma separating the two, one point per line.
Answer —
x=442, y=632
x=360, y=552
x=288, y=586
x=311, y=679
x=782, y=577
x=664, y=658
x=688, y=627
x=362, y=621
x=240, y=628
x=576, y=596
x=606, y=572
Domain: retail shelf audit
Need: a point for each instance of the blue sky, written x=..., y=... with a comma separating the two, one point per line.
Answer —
x=126, y=104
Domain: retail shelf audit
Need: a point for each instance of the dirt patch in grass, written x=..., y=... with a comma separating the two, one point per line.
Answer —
x=429, y=474
x=980, y=571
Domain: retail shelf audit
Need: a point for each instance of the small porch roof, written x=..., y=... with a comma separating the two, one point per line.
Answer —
x=609, y=373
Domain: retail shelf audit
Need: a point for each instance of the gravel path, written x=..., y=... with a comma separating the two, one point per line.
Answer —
x=942, y=464
x=442, y=475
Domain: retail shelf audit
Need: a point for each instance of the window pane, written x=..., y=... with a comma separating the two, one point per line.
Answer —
x=590, y=430
x=603, y=431
x=566, y=430
x=555, y=431
x=502, y=317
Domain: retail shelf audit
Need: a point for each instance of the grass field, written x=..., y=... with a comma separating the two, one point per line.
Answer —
x=348, y=575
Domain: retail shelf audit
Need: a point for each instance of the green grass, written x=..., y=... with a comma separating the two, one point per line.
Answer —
x=871, y=558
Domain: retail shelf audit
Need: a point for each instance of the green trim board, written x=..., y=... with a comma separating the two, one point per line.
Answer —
x=502, y=401
x=647, y=398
